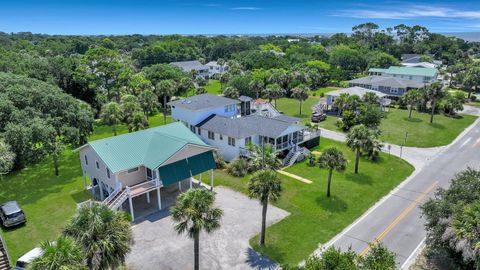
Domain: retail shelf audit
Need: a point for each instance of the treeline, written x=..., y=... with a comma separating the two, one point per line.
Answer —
x=127, y=78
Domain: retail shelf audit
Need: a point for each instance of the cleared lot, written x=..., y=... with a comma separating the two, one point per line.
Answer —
x=158, y=246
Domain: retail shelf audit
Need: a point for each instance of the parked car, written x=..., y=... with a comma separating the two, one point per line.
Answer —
x=11, y=214
x=318, y=117
x=27, y=258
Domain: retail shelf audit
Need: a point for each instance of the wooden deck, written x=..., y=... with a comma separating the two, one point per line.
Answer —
x=143, y=188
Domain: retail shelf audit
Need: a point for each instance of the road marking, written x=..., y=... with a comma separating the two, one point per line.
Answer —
x=399, y=218
x=465, y=142
x=410, y=260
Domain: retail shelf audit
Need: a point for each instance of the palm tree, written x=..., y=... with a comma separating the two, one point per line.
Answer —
x=103, y=234
x=341, y=102
x=264, y=157
x=62, y=254
x=165, y=88
x=257, y=86
x=193, y=212
x=137, y=122
x=148, y=102
x=359, y=138
x=412, y=98
x=274, y=91
x=370, y=98
x=112, y=115
x=332, y=159
x=265, y=185
x=434, y=92
x=300, y=93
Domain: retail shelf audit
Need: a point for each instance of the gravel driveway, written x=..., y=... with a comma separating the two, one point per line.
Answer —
x=158, y=246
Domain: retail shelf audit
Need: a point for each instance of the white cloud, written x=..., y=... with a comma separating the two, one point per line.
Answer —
x=245, y=8
x=408, y=12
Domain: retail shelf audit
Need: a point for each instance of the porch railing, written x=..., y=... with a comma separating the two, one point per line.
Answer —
x=112, y=195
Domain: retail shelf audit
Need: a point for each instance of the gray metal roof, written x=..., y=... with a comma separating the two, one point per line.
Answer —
x=355, y=90
x=10, y=207
x=387, y=81
x=413, y=58
x=189, y=65
x=247, y=126
x=288, y=119
x=202, y=102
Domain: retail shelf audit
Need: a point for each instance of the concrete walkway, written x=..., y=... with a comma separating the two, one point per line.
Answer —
x=294, y=176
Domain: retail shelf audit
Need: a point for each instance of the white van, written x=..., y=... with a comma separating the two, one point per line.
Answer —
x=27, y=258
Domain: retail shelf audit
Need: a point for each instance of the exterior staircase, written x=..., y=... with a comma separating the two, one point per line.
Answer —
x=4, y=258
x=293, y=155
x=116, y=201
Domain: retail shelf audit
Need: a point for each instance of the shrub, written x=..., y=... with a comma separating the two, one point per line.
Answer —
x=473, y=98
x=315, y=94
x=322, y=94
x=219, y=161
x=238, y=167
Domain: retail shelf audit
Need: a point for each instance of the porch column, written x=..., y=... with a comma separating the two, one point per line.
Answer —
x=180, y=185
x=130, y=203
x=84, y=180
x=101, y=189
x=211, y=179
x=159, y=199
x=191, y=182
x=148, y=197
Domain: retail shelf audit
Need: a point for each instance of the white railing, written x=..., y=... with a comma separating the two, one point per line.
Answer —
x=113, y=194
x=310, y=134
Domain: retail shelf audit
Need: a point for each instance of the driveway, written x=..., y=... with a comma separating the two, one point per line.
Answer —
x=158, y=246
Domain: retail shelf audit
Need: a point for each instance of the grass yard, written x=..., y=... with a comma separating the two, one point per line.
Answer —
x=213, y=87
x=49, y=201
x=290, y=106
x=322, y=90
x=421, y=133
x=315, y=218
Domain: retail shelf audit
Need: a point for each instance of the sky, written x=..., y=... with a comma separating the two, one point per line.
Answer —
x=231, y=17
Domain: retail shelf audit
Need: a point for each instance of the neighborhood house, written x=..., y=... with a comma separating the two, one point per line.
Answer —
x=217, y=121
x=416, y=74
x=193, y=66
x=356, y=91
x=145, y=163
x=391, y=86
x=214, y=68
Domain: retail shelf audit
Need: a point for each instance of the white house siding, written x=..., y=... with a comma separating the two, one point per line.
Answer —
x=91, y=169
x=228, y=152
x=133, y=178
x=193, y=118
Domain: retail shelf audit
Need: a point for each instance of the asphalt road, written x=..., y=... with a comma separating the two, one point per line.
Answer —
x=396, y=220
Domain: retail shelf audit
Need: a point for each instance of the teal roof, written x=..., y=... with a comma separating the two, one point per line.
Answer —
x=150, y=147
x=409, y=71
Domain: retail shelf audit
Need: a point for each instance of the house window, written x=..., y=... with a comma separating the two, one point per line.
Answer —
x=199, y=131
x=231, y=141
x=230, y=108
x=86, y=160
x=192, y=128
x=221, y=137
x=248, y=141
x=97, y=164
x=211, y=135
x=108, y=173
x=132, y=170
x=394, y=90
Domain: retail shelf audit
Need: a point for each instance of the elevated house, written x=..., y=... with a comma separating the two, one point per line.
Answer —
x=214, y=68
x=416, y=74
x=356, y=91
x=219, y=122
x=391, y=86
x=144, y=163
x=193, y=66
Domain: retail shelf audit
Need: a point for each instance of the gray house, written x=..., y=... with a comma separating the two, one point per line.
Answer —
x=391, y=86
x=189, y=66
x=355, y=91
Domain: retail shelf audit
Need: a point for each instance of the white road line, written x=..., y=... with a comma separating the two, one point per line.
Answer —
x=411, y=259
x=466, y=141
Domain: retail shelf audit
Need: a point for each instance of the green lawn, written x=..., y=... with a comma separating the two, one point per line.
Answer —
x=213, y=87
x=421, y=133
x=322, y=90
x=48, y=201
x=314, y=218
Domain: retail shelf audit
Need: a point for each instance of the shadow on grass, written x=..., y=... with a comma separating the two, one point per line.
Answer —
x=257, y=261
x=437, y=125
x=331, y=204
x=413, y=119
x=359, y=178
x=81, y=196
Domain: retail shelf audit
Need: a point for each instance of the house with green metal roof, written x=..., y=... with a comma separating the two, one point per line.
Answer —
x=123, y=167
x=416, y=74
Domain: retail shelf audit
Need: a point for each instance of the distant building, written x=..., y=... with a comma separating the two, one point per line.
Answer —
x=415, y=60
x=391, y=86
x=189, y=66
x=214, y=68
x=355, y=91
x=417, y=74
x=277, y=53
